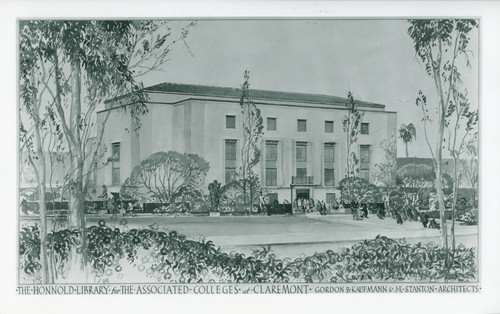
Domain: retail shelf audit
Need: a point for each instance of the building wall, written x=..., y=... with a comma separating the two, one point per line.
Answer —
x=198, y=125
x=117, y=130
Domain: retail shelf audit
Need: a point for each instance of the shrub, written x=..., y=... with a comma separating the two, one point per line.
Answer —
x=29, y=249
x=469, y=218
x=359, y=190
x=167, y=177
x=170, y=257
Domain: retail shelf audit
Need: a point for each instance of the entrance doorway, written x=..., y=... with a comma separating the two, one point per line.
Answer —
x=303, y=194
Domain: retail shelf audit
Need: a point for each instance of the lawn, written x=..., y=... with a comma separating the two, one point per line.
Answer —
x=291, y=236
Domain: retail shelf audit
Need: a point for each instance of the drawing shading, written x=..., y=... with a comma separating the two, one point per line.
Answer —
x=147, y=155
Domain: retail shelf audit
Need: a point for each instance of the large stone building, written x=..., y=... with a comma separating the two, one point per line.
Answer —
x=303, y=144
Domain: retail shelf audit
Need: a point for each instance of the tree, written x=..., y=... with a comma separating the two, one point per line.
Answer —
x=415, y=181
x=470, y=167
x=440, y=44
x=31, y=141
x=252, y=132
x=358, y=191
x=407, y=133
x=462, y=123
x=386, y=171
x=351, y=125
x=166, y=176
x=83, y=63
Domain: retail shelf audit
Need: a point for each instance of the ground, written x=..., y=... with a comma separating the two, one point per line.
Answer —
x=292, y=236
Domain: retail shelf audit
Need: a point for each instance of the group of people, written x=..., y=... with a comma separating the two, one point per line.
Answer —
x=428, y=222
x=359, y=212
x=116, y=206
x=306, y=205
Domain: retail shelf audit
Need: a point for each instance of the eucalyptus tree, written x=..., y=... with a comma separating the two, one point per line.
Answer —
x=462, y=121
x=81, y=63
x=442, y=46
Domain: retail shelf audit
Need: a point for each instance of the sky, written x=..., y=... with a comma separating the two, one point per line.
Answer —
x=375, y=59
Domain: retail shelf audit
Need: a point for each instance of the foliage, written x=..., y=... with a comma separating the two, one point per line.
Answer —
x=469, y=218
x=232, y=194
x=351, y=124
x=441, y=44
x=471, y=167
x=73, y=66
x=167, y=176
x=60, y=244
x=407, y=133
x=216, y=192
x=359, y=191
x=252, y=125
x=384, y=259
x=170, y=257
x=386, y=171
x=29, y=249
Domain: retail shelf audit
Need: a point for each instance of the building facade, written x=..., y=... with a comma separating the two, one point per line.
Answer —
x=303, y=148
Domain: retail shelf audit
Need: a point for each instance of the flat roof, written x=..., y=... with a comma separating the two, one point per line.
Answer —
x=214, y=91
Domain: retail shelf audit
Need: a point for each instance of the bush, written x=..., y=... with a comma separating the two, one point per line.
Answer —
x=29, y=249
x=170, y=257
x=360, y=191
x=469, y=218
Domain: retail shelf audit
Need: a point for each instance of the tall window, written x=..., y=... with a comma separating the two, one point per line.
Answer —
x=301, y=162
x=329, y=164
x=230, y=122
x=364, y=162
x=271, y=124
x=328, y=126
x=365, y=128
x=301, y=125
x=301, y=152
x=115, y=164
x=271, y=163
x=230, y=160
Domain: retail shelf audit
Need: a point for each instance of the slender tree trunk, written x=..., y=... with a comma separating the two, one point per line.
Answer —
x=76, y=213
x=76, y=188
x=41, y=175
x=454, y=204
x=406, y=149
x=439, y=145
x=439, y=191
x=47, y=276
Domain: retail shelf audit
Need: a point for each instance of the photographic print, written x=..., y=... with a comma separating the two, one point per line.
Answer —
x=248, y=155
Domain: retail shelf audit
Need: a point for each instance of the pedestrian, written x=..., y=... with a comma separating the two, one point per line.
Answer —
x=364, y=209
x=262, y=203
x=130, y=208
x=434, y=225
x=399, y=220
x=386, y=204
x=355, y=214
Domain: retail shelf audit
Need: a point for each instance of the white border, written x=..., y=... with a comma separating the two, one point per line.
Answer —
x=486, y=301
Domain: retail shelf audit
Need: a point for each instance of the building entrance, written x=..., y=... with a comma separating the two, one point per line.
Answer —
x=303, y=194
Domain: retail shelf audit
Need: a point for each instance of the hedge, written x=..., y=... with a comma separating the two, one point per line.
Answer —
x=172, y=258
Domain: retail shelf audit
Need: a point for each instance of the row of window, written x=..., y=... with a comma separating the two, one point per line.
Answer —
x=301, y=162
x=271, y=162
x=301, y=125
